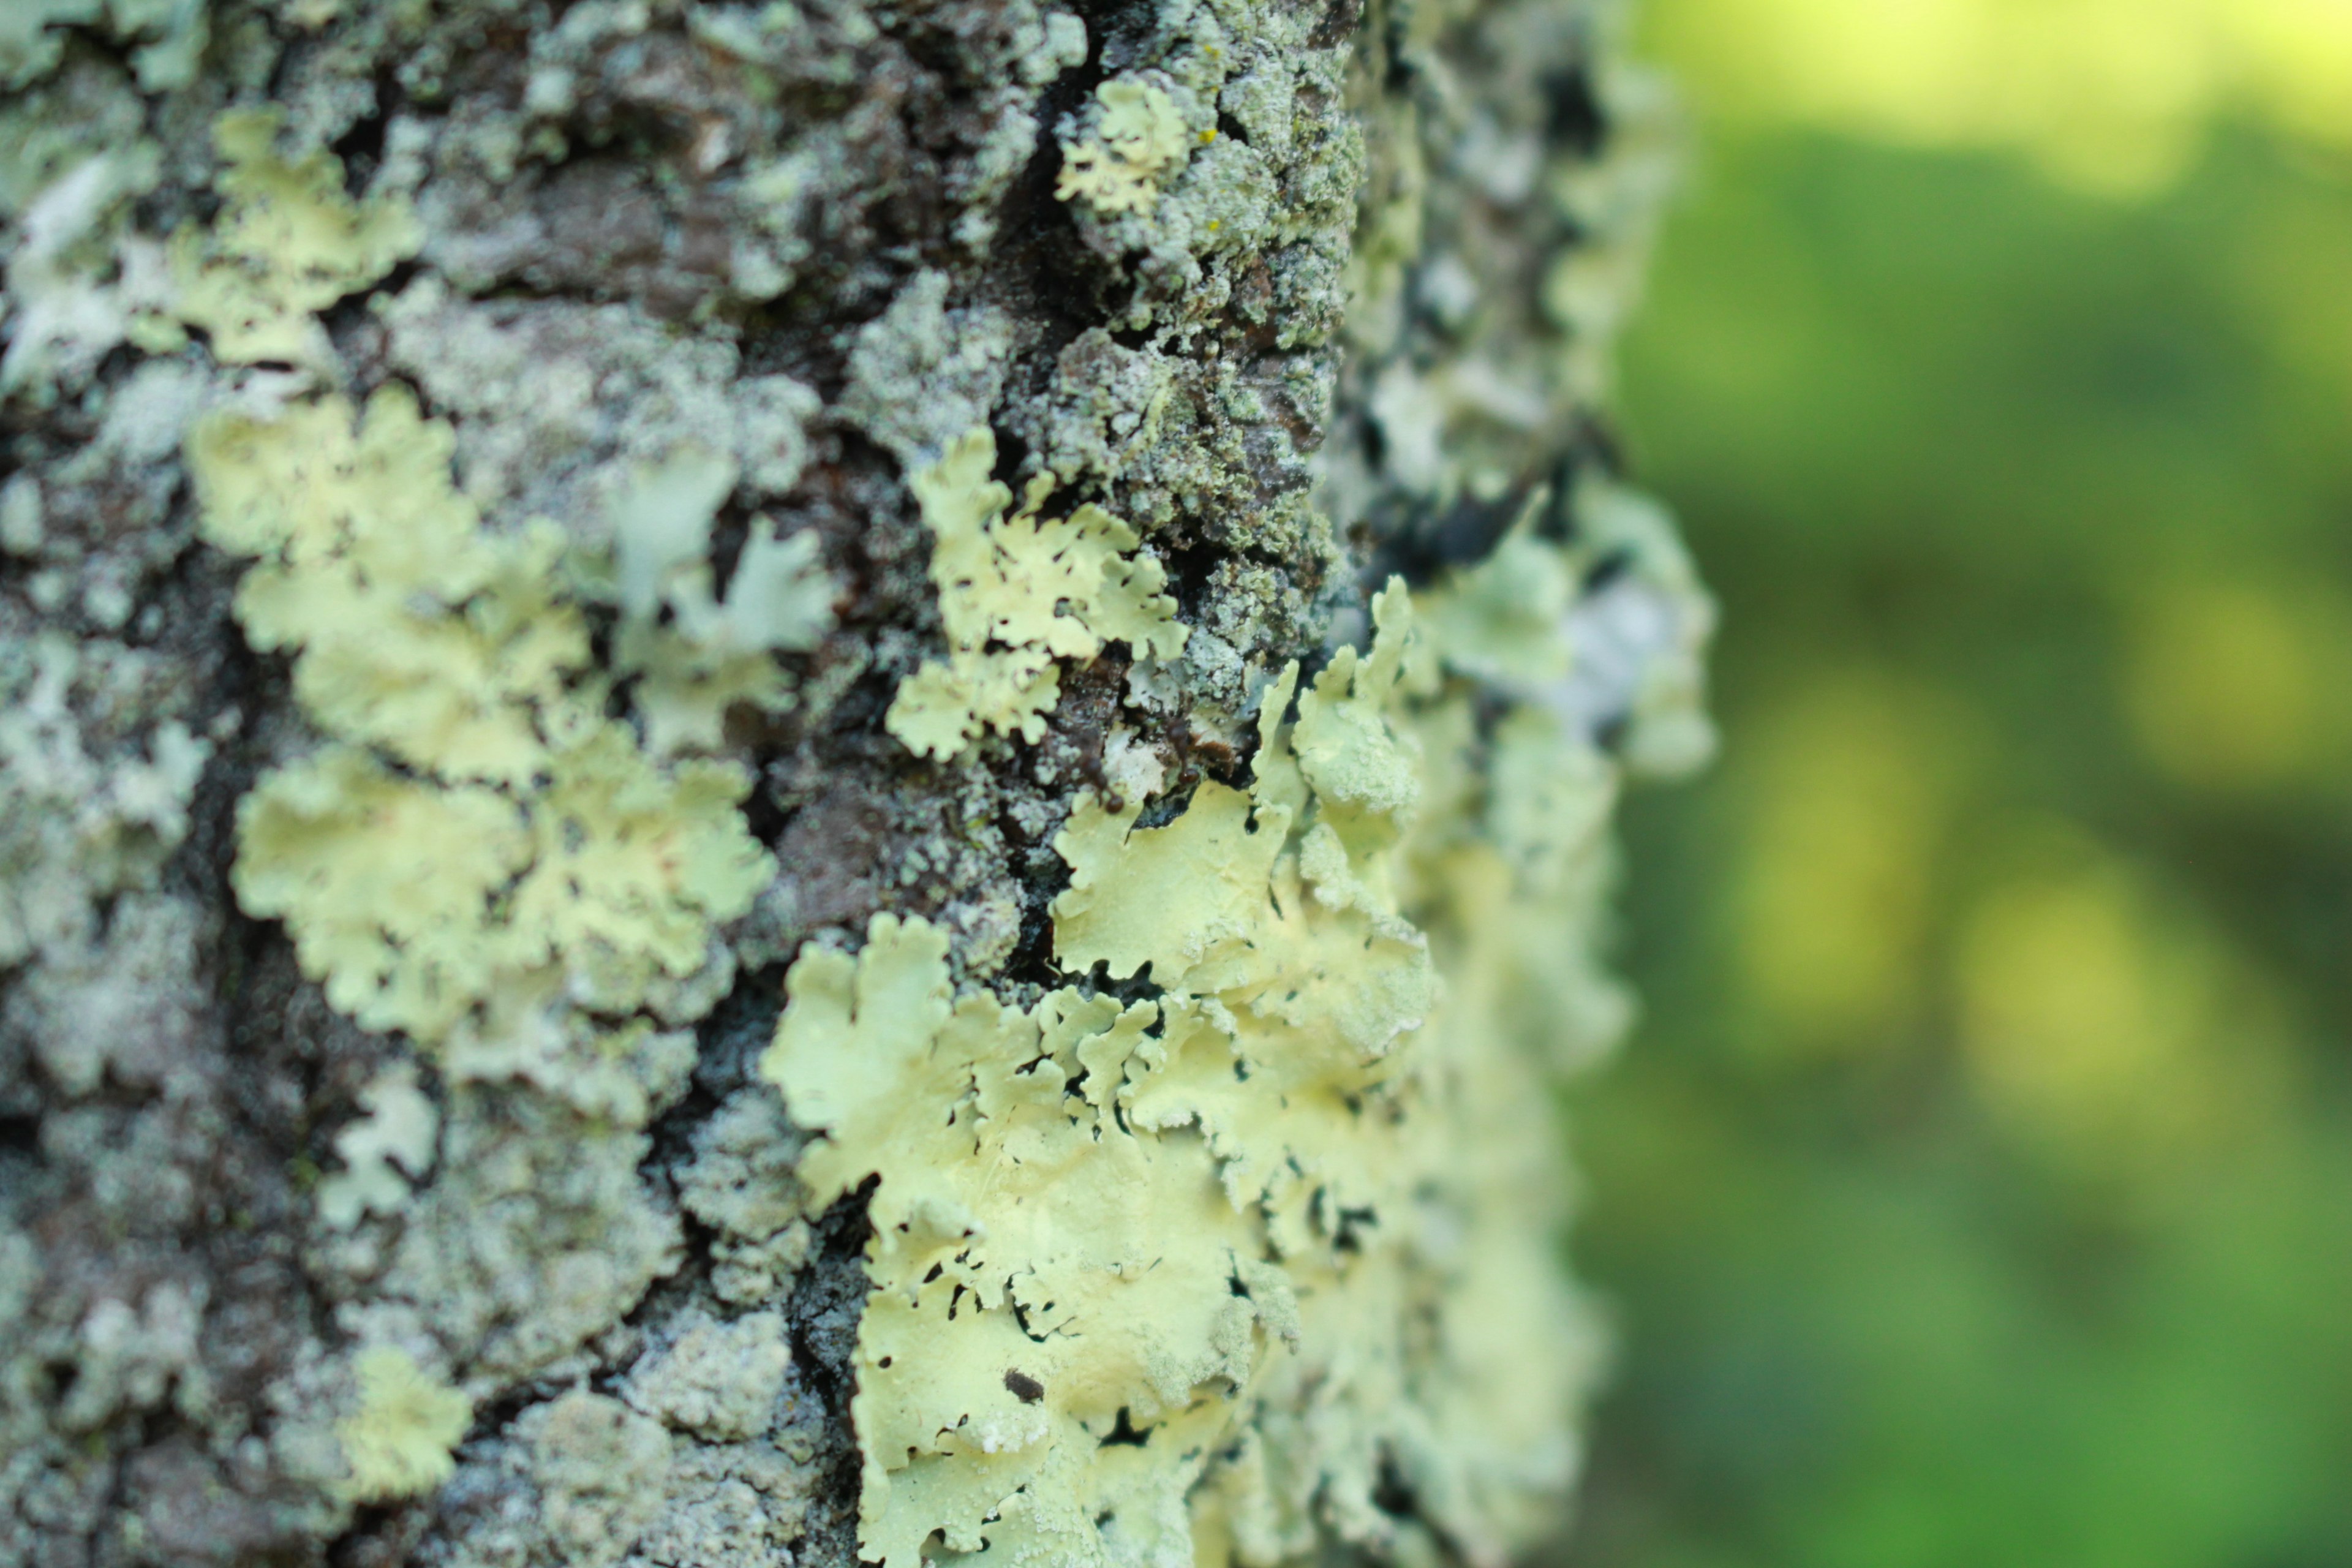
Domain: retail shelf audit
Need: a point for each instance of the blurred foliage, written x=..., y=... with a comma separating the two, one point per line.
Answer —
x=2114, y=94
x=1977, y=1192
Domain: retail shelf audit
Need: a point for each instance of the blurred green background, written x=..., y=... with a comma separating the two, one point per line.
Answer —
x=1976, y=1190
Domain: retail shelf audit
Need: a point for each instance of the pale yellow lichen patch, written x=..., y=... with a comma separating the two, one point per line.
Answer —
x=1043, y=1274
x=1285, y=1222
x=411, y=628
x=634, y=866
x=288, y=244
x=476, y=827
x=1138, y=142
x=1211, y=861
x=399, y=1443
x=387, y=885
x=381, y=1151
x=1504, y=620
x=1016, y=594
x=1359, y=765
x=694, y=654
x=1292, y=975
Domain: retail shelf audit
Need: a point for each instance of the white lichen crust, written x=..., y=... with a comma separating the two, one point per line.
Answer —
x=566, y=565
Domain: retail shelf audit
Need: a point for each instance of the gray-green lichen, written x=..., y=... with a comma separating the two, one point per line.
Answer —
x=504, y=418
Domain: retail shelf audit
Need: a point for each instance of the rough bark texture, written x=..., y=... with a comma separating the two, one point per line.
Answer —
x=1355, y=329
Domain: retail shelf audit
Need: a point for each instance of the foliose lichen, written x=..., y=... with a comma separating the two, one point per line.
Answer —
x=288, y=244
x=694, y=655
x=477, y=831
x=398, y=1441
x=1016, y=594
x=469, y=623
x=1195, y=1275
x=1139, y=139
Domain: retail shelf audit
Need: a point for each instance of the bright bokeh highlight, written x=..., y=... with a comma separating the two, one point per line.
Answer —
x=2114, y=95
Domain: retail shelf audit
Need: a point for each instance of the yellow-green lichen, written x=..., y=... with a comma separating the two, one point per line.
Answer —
x=1042, y=1274
x=1016, y=594
x=1282, y=1229
x=694, y=655
x=170, y=36
x=398, y=1443
x=1137, y=141
x=288, y=242
x=476, y=828
x=382, y=1151
x=1502, y=620
x=412, y=629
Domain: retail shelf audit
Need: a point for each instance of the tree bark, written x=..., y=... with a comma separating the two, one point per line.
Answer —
x=1354, y=326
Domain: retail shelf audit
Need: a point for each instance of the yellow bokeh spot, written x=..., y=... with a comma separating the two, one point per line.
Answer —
x=1852, y=786
x=2230, y=688
x=2103, y=1022
x=2112, y=95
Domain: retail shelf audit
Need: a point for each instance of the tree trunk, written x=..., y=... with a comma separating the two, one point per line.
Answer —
x=499, y=557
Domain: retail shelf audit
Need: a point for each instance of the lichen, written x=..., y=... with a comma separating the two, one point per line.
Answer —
x=717, y=1380
x=1139, y=137
x=78, y=826
x=168, y=35
x=535, y=1235
x=1097, y=1263
x=694, y=654
x=1015, y=594
x=531, y=847
x=92, y=948
x=601, y=1470
x=533, y=392
x=1184, y=1278
x=412, y=629
x=398, y=1442
x=82, y=282
x=383, y=1152
x=288, y=244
